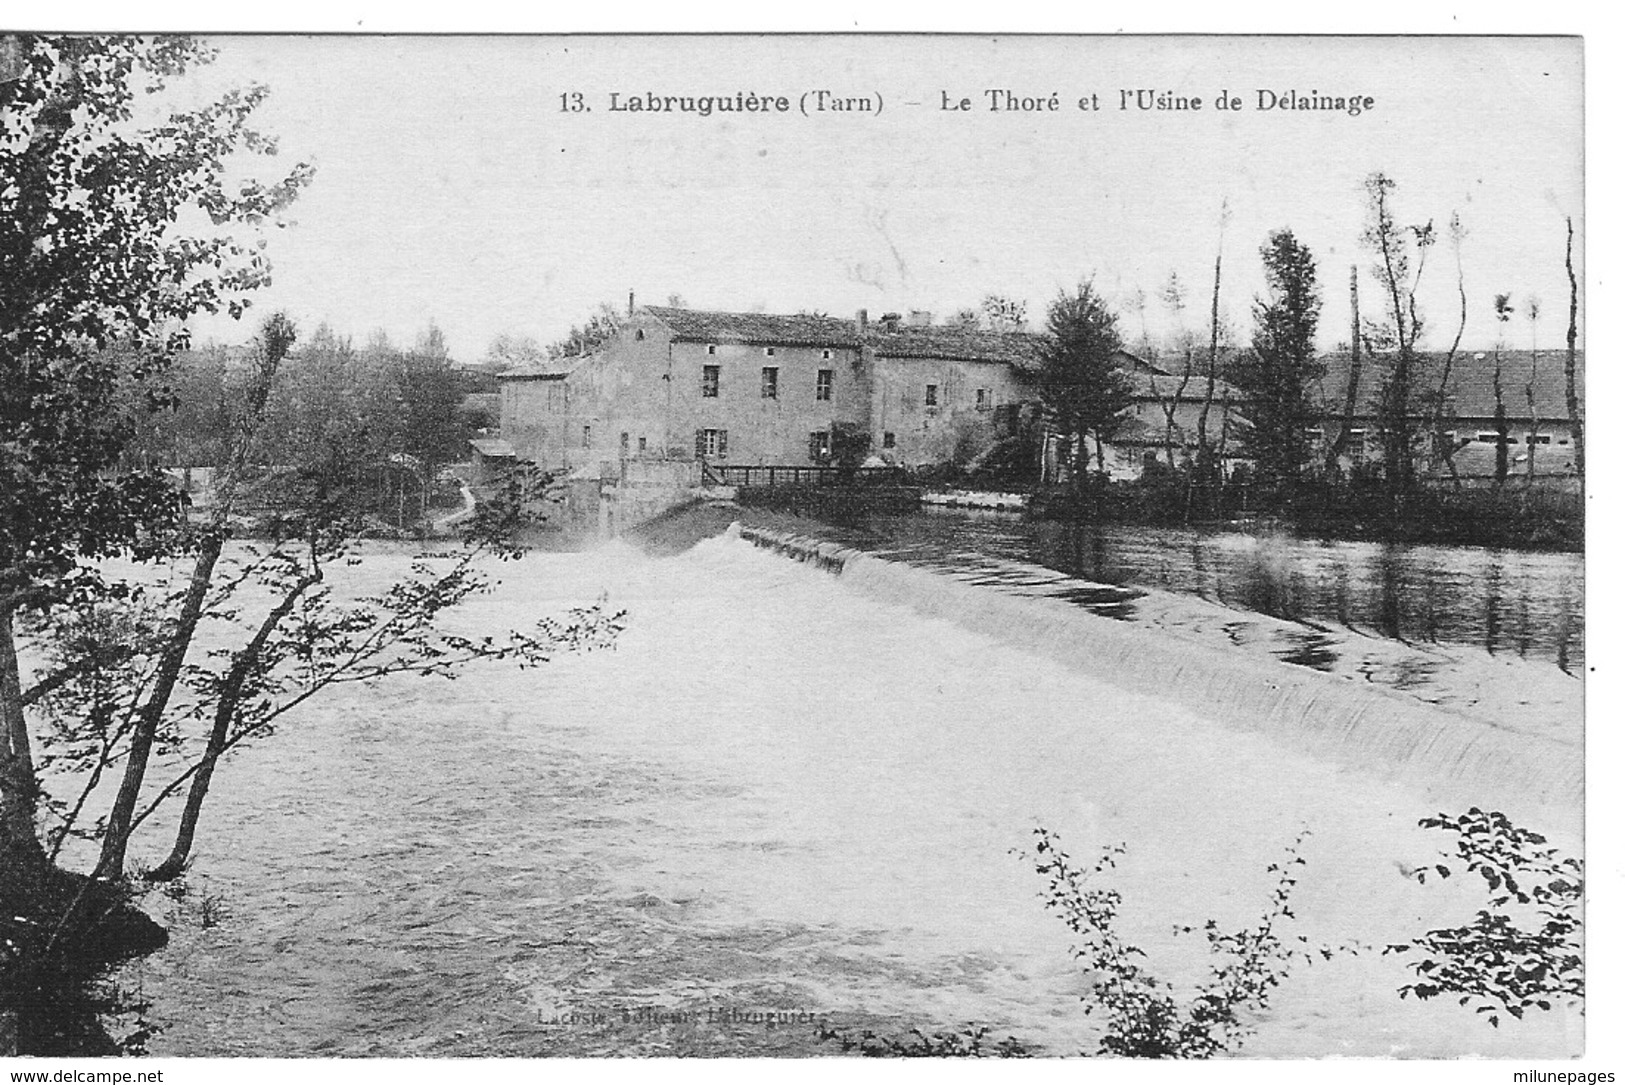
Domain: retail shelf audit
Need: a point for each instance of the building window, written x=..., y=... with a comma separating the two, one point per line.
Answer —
x=1488, y=437
x=826, y=382
x=889, y=440
x=586, y=436
x=984, y=400
x=710, y=348
x=711, y=443
x=930, y=395
x=643, y=445
x=770, y=382
x=768, y=351
x=640, y=335
x=626, y=443
x=818, y=446
x=828, y=354
x=711, y=381
x=1537, y=439
x=1356, y=445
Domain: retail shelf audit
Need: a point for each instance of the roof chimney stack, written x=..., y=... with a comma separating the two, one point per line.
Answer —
x=863, y=321
x=631, y=302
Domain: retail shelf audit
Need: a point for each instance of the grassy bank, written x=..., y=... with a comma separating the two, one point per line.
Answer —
x=1511, y=518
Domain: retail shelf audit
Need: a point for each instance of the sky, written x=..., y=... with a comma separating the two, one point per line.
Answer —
x=452, y=185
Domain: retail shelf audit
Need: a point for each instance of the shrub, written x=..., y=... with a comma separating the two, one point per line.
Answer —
x=1145, y=1017
x=1494, y=962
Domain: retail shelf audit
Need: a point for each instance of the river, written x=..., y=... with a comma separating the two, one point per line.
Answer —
x=1524, y=604
x=775, y=795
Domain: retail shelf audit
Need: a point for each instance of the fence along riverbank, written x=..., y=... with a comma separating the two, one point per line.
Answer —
x=1454, y=758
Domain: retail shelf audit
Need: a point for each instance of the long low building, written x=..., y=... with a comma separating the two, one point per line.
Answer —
x=789, y=390
x=753, y=388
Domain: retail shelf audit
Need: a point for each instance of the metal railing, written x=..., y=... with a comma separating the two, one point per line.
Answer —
x=717, y=474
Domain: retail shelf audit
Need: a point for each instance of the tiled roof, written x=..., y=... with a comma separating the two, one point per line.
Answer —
x=897, y=341
x=957, y=344
x=1153, y=380
x=1472, y=381
x=700, y=325
x=1164, y=386
x=547, y=369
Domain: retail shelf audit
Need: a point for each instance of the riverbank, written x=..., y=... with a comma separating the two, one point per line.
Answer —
x=1514, y=516
x=776, y=794
x=1548, y=517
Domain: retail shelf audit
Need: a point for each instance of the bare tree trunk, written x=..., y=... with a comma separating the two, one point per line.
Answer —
x=1501, y=457
x=1170, y=408
x=1203, y=457
x=1529, y=397
x=1443, y=444
x=20, y=851
x=1212, y=356
x=167, y=674
x=1571, y=393
x=1352, y=395
x=225, y=713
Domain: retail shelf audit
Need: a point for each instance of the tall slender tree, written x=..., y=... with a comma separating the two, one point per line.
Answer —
x=1503, y=314
x=1351, y=391
x=1439, y=407
x=1081, y=381
x=1275, y=377
x=1400, y=256
x=1531, y=312
x=1570, y=363
x=1173, y=295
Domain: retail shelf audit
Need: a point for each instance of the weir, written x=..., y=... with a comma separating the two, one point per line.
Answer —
x=1456, y=759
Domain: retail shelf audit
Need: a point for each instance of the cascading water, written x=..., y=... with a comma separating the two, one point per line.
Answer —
x=1359, y=726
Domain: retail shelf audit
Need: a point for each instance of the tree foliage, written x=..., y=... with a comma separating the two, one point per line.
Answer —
x=115, y=225
x=594, y=332
x=1276, y=376
x=118, y=227
x=1002, y=313
x=1522, y=950
x=1081, y=381
x=118, y=221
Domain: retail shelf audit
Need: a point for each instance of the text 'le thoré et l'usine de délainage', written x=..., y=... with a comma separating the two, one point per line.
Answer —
x=1001, y=100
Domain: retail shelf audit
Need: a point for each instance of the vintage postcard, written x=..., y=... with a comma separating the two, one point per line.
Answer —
x=810, y=546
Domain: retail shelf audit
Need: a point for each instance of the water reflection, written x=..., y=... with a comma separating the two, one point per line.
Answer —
x=1311, y=648
x=1530, y=604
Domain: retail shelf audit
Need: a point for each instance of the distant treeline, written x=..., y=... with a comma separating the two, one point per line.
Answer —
x=374, y=424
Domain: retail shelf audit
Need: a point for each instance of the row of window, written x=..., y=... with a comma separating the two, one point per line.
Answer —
x=823, y=390
x=1357, y=439
x=771, y=352
x=711, y=383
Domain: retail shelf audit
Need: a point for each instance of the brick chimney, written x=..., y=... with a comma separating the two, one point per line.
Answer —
x=863, y=321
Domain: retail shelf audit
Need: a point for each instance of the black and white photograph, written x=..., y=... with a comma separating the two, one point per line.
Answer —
x=811, y=546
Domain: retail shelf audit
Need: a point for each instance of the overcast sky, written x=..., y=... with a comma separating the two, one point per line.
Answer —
x=452, y=187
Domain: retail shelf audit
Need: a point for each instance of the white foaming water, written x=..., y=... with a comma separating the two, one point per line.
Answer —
x=780, y=789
